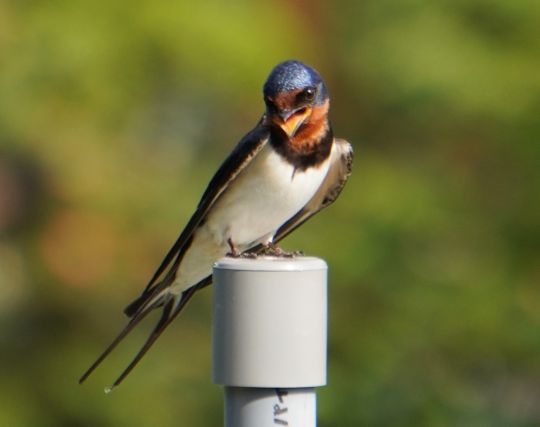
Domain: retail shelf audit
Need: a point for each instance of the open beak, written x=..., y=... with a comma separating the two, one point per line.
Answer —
x=292, y=120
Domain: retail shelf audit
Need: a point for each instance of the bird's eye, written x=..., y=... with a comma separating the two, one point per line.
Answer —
x=270, y=103
x=307, y=95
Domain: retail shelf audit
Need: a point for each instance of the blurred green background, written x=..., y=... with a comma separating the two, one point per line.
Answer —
x=113, y=117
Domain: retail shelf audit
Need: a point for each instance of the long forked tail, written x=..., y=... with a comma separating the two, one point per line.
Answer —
x=171, y=307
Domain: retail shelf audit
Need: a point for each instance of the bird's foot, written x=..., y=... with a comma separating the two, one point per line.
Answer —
x=245, y=255
x=248, y=255
x=272, y=249
x=235, y=253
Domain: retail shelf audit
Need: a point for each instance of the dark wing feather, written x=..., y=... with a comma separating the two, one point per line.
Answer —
x=155, y=295
x=170, y=311
x=239, y=158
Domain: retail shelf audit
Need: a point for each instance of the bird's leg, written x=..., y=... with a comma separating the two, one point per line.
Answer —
x=234, y=253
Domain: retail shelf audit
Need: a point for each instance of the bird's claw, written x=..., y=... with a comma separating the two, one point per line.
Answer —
x=248, y=255
x=245, y=255
x=235, y=253
x=276, y=251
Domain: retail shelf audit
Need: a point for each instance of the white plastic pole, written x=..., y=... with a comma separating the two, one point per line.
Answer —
x=269, y=339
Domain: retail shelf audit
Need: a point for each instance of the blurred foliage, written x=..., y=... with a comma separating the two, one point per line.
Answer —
x=113, y=116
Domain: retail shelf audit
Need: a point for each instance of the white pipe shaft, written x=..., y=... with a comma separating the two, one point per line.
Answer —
x=269, y=338
x=266, y=407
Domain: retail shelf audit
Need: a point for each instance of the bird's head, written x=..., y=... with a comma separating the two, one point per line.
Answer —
x=295, y=95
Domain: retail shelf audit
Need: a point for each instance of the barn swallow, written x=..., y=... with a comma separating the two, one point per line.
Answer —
x=281, y=173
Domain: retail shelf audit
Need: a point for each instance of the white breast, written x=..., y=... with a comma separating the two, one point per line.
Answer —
x=265, y=195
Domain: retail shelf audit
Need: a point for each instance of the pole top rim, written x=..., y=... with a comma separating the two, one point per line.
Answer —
x=270, y=263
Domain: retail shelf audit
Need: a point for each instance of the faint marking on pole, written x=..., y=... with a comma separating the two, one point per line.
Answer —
x=280, y=410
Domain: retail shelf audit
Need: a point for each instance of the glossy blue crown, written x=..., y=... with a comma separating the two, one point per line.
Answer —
x=293, y=75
